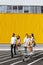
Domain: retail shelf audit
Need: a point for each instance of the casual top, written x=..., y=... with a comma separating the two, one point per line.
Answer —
x=32, y=39
x=18, y=40
x=13, y=40
x=26, y=41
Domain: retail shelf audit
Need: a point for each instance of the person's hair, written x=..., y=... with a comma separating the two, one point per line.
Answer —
x=32, y=35
x=13, y=34
x=26, y=34
x=18, y=37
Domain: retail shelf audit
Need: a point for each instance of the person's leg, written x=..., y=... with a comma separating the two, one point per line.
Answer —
x=15, y=49
x=12, y=51
x=25, y=49
x=31, y=50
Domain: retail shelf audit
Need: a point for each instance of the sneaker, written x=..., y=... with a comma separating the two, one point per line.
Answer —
x=31, y=53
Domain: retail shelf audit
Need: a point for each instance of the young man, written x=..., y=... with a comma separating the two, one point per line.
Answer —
x=26, y=42
x=13, y=44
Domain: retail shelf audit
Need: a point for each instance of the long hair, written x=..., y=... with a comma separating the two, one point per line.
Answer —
x=13, y=34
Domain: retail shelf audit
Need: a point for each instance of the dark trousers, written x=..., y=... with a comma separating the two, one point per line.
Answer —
x=25, y=49
x=13, y=47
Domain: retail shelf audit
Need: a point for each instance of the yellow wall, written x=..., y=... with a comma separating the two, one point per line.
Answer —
x=21, y=24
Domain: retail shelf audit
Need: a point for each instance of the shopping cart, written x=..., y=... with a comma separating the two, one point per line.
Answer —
x=25, y=53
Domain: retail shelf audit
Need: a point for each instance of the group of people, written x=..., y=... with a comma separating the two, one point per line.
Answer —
x=14, y=40
x=29, y=43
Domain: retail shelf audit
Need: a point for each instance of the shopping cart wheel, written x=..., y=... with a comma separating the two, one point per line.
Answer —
x=23, y=60
x=26, y=56
x=30, y=56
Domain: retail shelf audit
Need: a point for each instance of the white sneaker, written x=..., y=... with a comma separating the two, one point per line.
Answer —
x=31, y=53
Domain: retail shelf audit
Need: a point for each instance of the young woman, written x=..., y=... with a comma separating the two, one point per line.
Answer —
x=18, y=41
x=33, y=40
x=26, y=42
x=30, y=45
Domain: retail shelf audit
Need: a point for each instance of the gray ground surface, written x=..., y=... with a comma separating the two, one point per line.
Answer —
x=7, y=47
x=5, y=58
x=39, y=62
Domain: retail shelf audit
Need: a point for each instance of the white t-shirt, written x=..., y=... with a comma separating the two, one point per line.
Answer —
x=13, y=40
x=26, y=41
x=18, y=40
x=32, y=39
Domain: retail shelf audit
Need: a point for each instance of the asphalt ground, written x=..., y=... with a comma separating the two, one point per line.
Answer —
x=35, y=59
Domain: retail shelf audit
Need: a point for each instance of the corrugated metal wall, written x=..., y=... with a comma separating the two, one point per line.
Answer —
x=21, y=24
